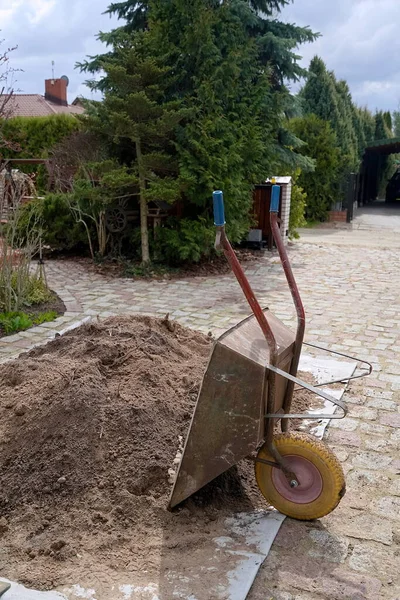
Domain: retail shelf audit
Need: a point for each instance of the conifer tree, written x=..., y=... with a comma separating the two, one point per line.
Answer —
x=227, y=63
x=396, y=123
x=135, y=114
x=320, y=144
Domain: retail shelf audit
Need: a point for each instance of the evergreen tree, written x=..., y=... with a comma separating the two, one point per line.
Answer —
x=227, y=63
x=386, y=164
x=354, y=127
x=319, y=93
x=367, y=120
x=347, y=138
x=331, y=101
x=135, y=115
x=383, y=128
x=396, y=123
x=320, y=143
x=388, y=121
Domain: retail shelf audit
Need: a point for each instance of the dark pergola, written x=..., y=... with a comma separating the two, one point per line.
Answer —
x=389, y=146
x=368, y=179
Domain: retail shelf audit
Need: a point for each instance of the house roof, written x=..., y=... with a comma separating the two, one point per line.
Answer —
x=35, y=105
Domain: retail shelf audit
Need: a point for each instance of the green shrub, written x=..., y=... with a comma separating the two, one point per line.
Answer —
x=59, y=228
x=37, y=135
x=45, y=317
x=297, y=207
x=29, y=289
x=37, y=291
x=11, y=322
x=184, y=240
x=14, y=321
x=320, y=144
x=34, y=137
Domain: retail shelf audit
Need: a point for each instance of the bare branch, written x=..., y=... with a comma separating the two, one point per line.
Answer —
x=7, y=88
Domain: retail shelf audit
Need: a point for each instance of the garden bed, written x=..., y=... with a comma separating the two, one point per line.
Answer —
x=218, y=265
x=35, y=314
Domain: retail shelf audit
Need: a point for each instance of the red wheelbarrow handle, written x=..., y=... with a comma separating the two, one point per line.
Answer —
x=294, y=290
x=222, y=241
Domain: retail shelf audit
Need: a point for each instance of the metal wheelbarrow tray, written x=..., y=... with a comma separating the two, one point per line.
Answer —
x=248, y=384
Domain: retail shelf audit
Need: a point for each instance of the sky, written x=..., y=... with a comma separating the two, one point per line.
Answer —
x=63, y=31
x=359, y=41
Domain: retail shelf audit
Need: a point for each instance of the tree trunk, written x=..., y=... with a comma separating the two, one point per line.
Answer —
x=144, y=232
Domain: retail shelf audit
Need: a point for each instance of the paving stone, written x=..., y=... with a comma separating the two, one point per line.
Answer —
x=328, y=546
x=375, y=429
x=10, y=339
x=346, y=424
x=22, y=344
x=363, y=526
x=373, y=558
x=394, y=488
x=341, y=453
x=395, y=436
x=347, y=438
x=382, y=404
x=379, y=444
x=391, y=378
x=364, y=413
x=388, y=506
x=392, y=420
x=288, y=537
x=371, y=460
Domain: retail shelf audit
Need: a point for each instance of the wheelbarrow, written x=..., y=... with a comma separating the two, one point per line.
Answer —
x=248, y=385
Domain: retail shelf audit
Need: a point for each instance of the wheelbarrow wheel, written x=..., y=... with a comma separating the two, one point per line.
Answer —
x=320, y=475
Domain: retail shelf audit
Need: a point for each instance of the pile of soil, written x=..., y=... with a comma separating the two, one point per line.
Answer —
x=97, y=407
x=90, y=424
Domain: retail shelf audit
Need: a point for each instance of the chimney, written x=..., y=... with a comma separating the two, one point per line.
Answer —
x=56, y=91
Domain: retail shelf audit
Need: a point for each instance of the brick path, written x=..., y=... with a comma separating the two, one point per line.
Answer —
x=351, y=294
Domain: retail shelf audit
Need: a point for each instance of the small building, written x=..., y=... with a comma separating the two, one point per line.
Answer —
x=261, y=205
x=54, y=102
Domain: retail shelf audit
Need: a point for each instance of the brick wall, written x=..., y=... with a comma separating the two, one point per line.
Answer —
x=286, y=195
x=338, y=216
x=56, y=91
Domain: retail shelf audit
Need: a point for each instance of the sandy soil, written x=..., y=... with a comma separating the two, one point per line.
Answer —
x=90, y=424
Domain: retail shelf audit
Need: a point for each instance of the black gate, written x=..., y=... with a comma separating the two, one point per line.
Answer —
x=352, y=195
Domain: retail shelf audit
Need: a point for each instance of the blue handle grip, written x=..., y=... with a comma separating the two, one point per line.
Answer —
x=219, y=212
x=275, y=197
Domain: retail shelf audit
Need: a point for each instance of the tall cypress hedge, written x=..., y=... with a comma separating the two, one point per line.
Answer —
x=34, y=137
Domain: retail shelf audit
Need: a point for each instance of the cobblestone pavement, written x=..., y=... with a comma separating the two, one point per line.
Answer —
x=375, y=226
x=351, y=294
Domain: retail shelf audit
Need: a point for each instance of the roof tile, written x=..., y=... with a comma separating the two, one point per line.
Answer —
x=35, y=105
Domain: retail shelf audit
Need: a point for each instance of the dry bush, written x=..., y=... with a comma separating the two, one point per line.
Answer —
x=16, y=251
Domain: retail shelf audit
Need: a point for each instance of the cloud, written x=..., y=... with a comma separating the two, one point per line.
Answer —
x=360, y=42
x=45, y=30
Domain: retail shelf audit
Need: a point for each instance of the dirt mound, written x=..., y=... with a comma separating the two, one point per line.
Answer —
x=89, y=427
x=90, y=424
x=100, y=407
